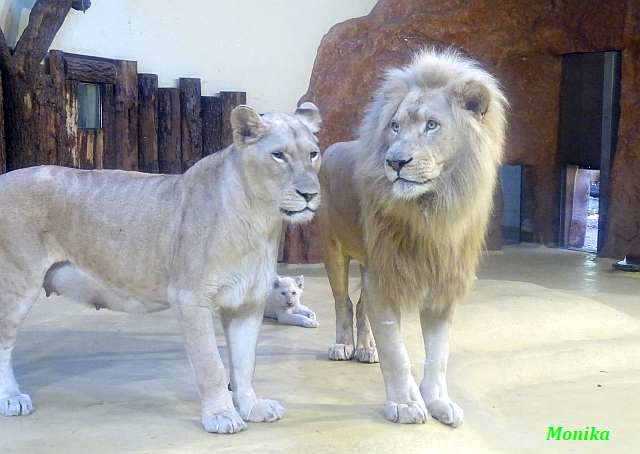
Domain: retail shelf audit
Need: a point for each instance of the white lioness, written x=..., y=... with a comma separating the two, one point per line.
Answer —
x=410, y=200
x=203, y=241
x=283, y=303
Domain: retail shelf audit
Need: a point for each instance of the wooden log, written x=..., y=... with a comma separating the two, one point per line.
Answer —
x=95, y=71
x=44, y=109
x=211, y=124
x=148, y=123
x=3, y=156
x=126, y=116
x=230, y=99
x=71, y=156
x=55, y=60
x=190, y=106
x=169, y=131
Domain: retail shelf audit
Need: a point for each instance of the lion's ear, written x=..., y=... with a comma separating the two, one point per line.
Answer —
x=474, y=96
x=247, y=125
x=309, y=114
x=299, y=281
x=276, y=282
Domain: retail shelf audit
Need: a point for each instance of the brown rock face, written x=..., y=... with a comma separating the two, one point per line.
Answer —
x=521, y=42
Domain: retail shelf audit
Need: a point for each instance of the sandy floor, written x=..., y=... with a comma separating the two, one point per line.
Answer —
x=548, y=337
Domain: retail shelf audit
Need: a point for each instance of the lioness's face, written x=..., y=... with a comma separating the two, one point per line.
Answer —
x=422, y=143
x=285, y=156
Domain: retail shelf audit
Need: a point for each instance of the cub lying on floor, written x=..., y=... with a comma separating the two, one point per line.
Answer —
x=283, y=303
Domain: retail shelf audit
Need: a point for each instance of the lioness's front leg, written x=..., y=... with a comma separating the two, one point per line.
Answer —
x=242, y=327
x=435, y=332
x=404, y=402
x=218, y=413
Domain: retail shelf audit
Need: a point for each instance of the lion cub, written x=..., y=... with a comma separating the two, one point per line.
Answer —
x=283, y=303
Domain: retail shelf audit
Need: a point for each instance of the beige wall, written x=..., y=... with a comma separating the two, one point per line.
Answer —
x=265, y=47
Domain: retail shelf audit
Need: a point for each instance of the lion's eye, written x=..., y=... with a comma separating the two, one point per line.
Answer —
x=395, y=126
x=278, y=156
x=283, y=293
x=314, y=155
x=432, y=125
x=293, y=293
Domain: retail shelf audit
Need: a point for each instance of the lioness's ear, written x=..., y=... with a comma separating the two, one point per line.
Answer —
x=299, y=281
x=309, y=114
x=247, y=125
x=474, y=96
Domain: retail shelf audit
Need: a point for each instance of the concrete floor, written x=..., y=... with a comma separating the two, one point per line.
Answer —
x=548, y=337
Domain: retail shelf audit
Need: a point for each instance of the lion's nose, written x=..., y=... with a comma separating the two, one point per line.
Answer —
x=398, y=164
x=308, y=196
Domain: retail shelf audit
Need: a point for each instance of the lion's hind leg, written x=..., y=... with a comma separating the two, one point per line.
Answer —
x=366, y=351
x=13, y=310
x=336, y=263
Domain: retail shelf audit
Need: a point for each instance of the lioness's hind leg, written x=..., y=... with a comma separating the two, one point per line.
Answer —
x=366, y=351
x=13, y=311
x=337, y=265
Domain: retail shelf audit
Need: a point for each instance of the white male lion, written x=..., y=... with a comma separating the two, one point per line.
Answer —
x=410, y=200
x=203, y=241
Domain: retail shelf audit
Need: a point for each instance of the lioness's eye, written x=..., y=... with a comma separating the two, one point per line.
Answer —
x=278, y=156
x=313, y=155
x=432, y=125
x=395, y=126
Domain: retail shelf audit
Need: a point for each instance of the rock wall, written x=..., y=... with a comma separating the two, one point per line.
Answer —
x=521, y=42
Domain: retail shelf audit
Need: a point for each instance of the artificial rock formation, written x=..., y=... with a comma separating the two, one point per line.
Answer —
x=522, y=43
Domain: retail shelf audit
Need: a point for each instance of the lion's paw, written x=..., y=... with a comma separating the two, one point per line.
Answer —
x=412, y=412
x=366, y=355
x=446, y=411
x=310, y=323
x=19, y=405
x=340, y=352
x=225, y=422
x=264, y=410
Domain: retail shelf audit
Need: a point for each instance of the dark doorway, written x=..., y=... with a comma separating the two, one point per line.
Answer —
x=589, y=111
x=511, y=184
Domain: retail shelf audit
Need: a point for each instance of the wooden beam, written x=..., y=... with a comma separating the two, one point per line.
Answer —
x=212, y=121
x=169, y=131
x=126, y=116
x=110, y=153
x=90, y=70
x=230, y=99
x=148, y=123
x=190, y=106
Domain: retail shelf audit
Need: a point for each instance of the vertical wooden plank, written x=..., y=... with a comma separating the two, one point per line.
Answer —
x=70, y=156
x=169, y=131
x=3, y=154
x=190, y=106
x=126, y=115
x=55, y=60
x=211, y=124
x=109, y=153
x=148, y=123
x=230, y=99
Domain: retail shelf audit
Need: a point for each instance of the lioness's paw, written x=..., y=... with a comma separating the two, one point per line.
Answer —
x=366, y=355
x=412, y=412
x=446, y=411
x=264, y=410
x=340, y=352
x=19, y=405
x=226, y=422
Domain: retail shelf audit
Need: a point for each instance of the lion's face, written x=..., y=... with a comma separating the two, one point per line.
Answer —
x=422, y=143
x=282, y=151
x=287, y=291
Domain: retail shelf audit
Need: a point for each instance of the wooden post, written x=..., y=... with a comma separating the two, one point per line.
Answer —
x=169, y=131
x=3, y=156
x=126, y=116
x=230, y=99
x=190, y=106
x=148, y=123
x=211, y=124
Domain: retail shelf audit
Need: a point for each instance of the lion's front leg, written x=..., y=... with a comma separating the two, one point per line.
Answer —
x=404, y=402
x=218, y=413
x=436, y=328
x=242, y=327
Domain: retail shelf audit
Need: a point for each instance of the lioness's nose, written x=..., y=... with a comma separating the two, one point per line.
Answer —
x=308, y=196
x=398, y=164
